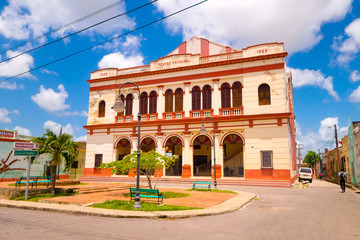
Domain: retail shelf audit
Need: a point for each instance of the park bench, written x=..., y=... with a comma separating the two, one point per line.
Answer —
x=22, y=180
x=34, y=180
x=44, y=179
x=147, y=193
x=200, y=184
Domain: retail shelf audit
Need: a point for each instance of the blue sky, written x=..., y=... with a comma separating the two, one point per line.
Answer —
x=322, y=38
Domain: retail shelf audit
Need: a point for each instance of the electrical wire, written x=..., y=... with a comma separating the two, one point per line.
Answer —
x=63, y=27
x=77, y=32
x=111, y=39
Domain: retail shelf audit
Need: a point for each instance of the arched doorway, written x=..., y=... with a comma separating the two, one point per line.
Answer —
x=123, y=148
x=202, y=156
x=233, y=156
x=173, y=146
x=147, y=144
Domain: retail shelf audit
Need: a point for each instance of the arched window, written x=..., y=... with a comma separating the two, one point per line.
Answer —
x=169, y=100
x=153, y=101
x=144, y=103
x=195, y=96
x=178, y=100
x=129, y=103
x=237, y=94
x=264, y=94
x=122, y=99
x=225, y=95
x=102, y=108
x=206, y=97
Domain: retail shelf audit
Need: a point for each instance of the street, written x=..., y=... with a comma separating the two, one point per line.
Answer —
x=319, y=212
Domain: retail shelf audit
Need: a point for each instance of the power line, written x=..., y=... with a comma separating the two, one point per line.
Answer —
x=64, y=26
x=77, y=32
x=111, y=39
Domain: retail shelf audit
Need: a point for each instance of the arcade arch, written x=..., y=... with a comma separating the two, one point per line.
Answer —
x=202, y=156
x=233, y=148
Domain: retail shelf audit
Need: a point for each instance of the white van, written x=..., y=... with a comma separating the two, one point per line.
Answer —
x=305, y=174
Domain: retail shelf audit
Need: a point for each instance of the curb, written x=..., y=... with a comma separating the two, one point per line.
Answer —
x=228, y=206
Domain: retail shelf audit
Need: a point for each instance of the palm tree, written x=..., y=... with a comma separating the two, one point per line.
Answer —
x=60, y=147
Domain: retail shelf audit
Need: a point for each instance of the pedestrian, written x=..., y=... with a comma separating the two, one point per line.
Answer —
x=342, y=176
x=320, y=176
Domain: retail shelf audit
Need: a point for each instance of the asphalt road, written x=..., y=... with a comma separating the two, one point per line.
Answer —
x=319, y=212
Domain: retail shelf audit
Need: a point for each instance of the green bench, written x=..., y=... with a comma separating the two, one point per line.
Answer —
x=22, y=180
x=147, y=193
x=200, y=184
x=34, y=180
x=44, y=179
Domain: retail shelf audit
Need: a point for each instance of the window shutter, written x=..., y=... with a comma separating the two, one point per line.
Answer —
x=266, y=159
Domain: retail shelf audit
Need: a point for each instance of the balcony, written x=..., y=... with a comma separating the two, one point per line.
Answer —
x=231, y=111
x=173, y=115
x=201, y=113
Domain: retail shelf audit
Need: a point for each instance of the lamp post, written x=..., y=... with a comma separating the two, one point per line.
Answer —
x=203, y=131
x=120, y=107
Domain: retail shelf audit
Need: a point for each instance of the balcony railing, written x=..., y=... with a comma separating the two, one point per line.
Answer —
x=201, y=113
x=173, y=115
x=231, y=111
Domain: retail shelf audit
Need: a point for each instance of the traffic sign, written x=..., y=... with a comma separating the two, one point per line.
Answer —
x=25, y=145
x=25, y=153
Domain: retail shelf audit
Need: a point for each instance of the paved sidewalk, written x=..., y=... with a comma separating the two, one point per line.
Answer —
x=212, y=203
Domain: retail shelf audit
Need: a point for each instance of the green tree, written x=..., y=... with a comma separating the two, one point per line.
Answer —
x=149, y=162
x=311, y=157
x=60, y=147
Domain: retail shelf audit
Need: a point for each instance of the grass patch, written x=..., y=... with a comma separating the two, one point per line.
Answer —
x=212, y=190
x=167, y=194
x=36, y=198
x=148, y=207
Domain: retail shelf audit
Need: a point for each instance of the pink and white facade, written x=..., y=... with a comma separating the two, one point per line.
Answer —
x=247, y=93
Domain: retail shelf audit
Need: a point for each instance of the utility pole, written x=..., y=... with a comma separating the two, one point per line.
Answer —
x=337, y=153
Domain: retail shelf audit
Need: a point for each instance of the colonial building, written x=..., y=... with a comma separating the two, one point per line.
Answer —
x=246, y=92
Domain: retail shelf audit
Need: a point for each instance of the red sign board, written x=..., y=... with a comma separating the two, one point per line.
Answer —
x=7, y=134
x=25, y=145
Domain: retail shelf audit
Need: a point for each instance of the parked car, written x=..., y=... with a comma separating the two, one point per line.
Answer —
x=305, y=174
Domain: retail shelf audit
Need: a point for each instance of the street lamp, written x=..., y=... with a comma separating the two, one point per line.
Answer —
x=203, y=131
x=120, y=107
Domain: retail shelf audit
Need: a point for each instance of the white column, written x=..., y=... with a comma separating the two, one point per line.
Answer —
x=231, y=99
x=216, y=99
x=187, y=100
x=160, y=102
x=136, y=109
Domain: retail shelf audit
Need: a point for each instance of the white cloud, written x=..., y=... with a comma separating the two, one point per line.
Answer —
x=118, y=60
x=243, y=23
x=350, y=46
x=17, y=65
x=306, y=77
x=4, y=118
x=355, y=95
x=81, y=138
x=54, y=102
x=50, y=100
x=11, y=86
x=4, y=115
x=25, y=19
x=323, y=138
x=49, y=72
x=55, y=127
x=355, y=76
x=23, y=131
